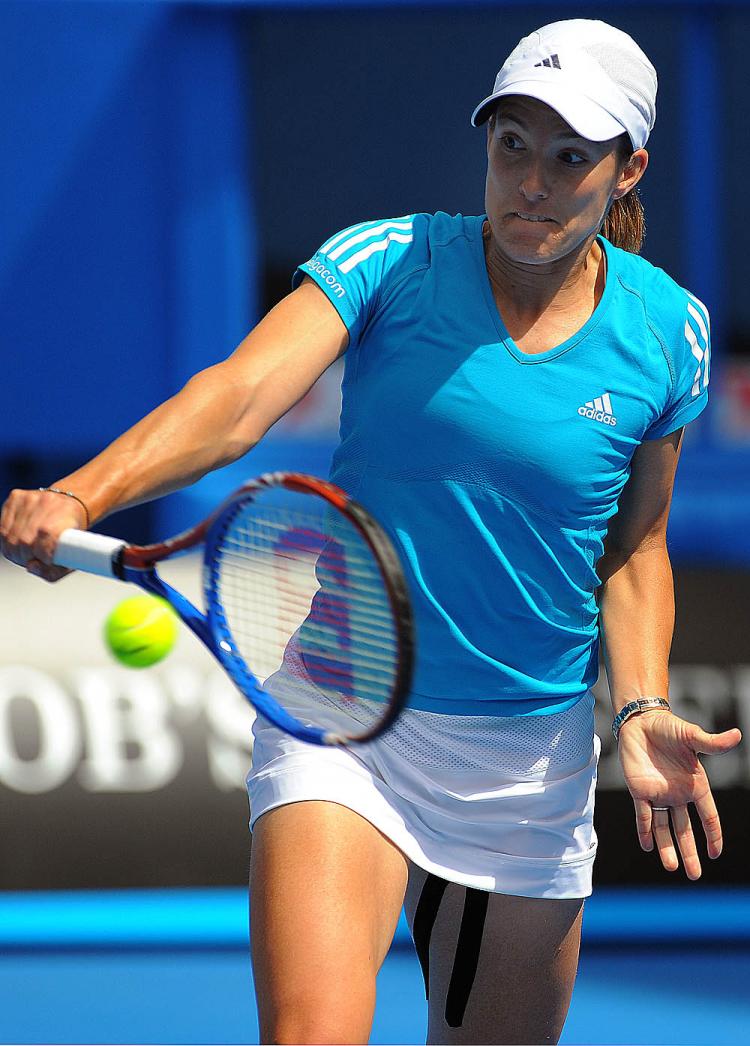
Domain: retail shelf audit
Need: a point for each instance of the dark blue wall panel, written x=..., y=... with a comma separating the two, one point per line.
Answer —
x=127, y=258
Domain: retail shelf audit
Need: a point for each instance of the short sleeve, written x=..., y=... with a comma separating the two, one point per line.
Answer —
x=355, y=266
x=691, y=361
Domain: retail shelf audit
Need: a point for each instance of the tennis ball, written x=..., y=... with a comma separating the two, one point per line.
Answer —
x=141, y=631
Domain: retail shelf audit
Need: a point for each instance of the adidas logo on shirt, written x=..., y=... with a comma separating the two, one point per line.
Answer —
x=599, y=409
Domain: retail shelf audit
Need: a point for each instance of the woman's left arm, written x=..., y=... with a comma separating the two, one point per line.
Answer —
x=658, y=750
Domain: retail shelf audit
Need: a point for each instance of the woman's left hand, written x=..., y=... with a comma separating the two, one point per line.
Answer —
x=659, y=756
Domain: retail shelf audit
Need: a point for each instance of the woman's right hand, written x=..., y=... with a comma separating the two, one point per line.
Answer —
x=31, y=521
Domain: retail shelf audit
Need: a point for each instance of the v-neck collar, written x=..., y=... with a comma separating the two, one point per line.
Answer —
x=497, y=320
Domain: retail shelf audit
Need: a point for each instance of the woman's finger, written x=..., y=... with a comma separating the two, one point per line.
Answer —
x=663, y=838
x=683, y=831
x=709, y=816
x=701, y=741
x=643, y=824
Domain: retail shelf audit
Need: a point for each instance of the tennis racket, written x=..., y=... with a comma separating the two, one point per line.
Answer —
x=306, y=603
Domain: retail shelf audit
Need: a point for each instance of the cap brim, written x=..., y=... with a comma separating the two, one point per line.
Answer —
x=585, y=116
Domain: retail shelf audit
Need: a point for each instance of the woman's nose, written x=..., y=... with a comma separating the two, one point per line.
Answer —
x=533, y=185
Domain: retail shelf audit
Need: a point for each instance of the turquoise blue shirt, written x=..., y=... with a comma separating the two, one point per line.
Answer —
x=496, y=471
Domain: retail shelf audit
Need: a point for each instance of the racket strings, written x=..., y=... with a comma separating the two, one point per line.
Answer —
x=282, y=609
x=304, y=593
x=279, y=620
x=292, y=540
x=375, y=596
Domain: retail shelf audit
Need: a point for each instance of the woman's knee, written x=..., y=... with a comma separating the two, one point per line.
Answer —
x=319, y=1014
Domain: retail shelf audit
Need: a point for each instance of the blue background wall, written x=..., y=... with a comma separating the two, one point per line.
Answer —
x=128, y=249
x=167, y=164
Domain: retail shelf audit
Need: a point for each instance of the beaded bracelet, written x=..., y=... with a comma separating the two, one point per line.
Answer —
x=634, y=707
x=70, y=494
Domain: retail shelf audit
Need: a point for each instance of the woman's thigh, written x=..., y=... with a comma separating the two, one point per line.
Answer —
x=326, y=890
x=498, y=968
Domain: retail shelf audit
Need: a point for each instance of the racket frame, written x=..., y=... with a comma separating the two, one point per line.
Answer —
x=137, y=564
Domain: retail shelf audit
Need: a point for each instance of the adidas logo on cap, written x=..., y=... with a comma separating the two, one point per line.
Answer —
x=599, y=409
x=553, y=62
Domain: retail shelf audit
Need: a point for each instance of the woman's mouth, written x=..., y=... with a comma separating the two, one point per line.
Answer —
x=531, y=217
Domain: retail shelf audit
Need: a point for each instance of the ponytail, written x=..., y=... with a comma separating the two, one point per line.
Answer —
x=625, y=223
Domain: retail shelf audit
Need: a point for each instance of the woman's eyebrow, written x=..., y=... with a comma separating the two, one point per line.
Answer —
x=514, y=119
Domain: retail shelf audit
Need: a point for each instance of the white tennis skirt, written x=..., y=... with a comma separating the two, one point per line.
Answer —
x=503, y=804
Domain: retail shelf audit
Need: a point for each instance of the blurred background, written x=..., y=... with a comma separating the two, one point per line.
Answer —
x=166, y=165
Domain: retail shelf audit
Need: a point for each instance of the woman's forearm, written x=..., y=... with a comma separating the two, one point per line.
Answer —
x=200, y=428
x=636, y=606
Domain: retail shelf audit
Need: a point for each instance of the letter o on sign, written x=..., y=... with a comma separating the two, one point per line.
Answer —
x=58, y=733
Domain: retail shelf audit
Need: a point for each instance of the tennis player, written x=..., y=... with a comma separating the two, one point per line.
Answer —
x=515, y=392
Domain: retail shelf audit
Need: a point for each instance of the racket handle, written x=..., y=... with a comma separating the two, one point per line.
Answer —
x=92, y=553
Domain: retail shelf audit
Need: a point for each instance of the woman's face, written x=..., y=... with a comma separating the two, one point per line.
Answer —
x=547, y=188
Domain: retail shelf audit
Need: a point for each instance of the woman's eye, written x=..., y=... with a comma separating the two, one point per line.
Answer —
x=572, y=158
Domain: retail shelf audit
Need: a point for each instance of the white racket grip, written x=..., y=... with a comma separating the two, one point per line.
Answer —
x=92, y=553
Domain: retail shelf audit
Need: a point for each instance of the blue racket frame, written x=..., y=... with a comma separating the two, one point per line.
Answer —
x=110, y=557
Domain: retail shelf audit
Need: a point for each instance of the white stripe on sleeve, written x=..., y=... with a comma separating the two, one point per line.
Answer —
x=373, y=248
x=399, y=224
x=702, y=307
x=343, y=235
x=700, y=321
x=699, y=354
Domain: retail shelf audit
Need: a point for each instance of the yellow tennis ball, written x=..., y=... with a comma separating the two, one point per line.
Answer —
x=141, y=631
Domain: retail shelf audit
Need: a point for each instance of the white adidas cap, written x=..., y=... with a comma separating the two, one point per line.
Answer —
x=595, y=76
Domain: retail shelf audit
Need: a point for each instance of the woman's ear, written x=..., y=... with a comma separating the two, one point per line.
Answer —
x=632, y=173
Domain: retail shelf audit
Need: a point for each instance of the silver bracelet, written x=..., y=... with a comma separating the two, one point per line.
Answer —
x=70, y=494
x=632, y=708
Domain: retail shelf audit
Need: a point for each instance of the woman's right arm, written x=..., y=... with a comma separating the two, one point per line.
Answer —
x=220, y=414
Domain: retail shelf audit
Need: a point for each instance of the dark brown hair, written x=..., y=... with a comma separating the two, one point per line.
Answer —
x=625, y=223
